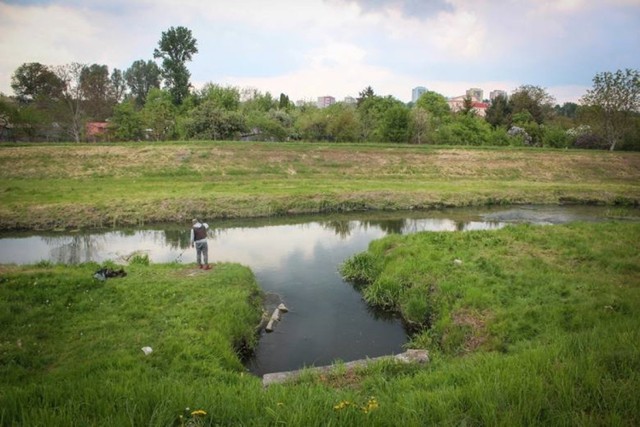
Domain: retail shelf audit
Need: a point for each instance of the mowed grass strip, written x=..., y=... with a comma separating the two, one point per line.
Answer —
x=535, y=326
x=53, y=186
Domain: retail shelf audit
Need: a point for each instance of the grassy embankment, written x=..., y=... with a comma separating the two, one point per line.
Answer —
x=535, y=326
x=68, y=186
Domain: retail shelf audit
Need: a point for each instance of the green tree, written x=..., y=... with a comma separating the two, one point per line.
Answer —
x=343, y=122
x=284, y=103
x=210, y=122
x=533, y=99
x=568, y=109
x=176, y=47
x=118, y=85
x=499, y=112
x=313, y=124
x=420, y=126
x=371, y=112
x=467, y=106
x=274, y=125
x=39, y=91
x=8, y=118
x=223, y=97
x=159, y=115
x=97, y=93
x=141, y=77
x=615, y=98
x=33, y=81
x=395, y=124
x=365, y=94
x=254, y=100
x=435, y=104
x=127, y=122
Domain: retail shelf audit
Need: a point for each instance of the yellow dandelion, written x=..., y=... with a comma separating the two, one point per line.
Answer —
x=371, y=405
x=343, y=404
x=198, y=413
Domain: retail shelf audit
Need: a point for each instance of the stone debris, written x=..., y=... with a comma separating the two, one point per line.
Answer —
x=275, y=317
x=283, y=308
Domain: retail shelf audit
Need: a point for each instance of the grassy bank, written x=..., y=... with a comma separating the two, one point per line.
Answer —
x=70, y=186
x=536, y=325
x=71, y=347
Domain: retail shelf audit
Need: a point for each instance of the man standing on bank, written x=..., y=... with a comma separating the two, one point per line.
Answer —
x=199, y=241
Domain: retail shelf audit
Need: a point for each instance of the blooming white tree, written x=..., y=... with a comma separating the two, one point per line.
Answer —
x=616, y=98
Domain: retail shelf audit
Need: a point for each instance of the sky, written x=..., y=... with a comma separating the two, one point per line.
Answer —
x=311, y=48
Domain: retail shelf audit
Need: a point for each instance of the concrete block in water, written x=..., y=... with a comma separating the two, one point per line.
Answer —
x=409, y=356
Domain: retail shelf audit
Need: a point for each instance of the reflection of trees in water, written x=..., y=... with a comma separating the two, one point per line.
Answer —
x=343, y=228
x=340, y=228
x=180, y=238
x=177, y=238
x=74, y=249
x=389, y=226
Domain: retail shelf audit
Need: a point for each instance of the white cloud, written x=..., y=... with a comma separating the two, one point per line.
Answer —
x=338, y=47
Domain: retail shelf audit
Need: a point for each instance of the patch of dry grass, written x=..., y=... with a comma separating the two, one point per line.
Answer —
x=52, y=186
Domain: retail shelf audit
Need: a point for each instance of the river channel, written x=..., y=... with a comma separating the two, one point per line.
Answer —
x=295, y=260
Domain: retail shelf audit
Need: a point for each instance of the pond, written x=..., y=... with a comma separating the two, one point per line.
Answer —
x=295, y=260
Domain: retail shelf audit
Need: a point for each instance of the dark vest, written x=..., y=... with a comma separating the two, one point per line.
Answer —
x=199, y=233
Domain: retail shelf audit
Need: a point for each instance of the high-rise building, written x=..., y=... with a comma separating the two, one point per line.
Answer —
x=496, y=93
x=417, y=92
x=325, y=101
x=475, y=94
x=350, y=100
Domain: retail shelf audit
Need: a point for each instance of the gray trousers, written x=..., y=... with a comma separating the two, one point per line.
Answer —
x=202, y=251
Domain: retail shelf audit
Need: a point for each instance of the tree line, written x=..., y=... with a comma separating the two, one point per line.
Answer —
x=148, y=101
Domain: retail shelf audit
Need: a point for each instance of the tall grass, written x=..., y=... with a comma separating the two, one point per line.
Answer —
x=72, y=345
x=498, y=289
x=535, y=326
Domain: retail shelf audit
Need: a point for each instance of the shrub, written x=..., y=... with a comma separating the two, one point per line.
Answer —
x=591, y=141
x=519, y=136
x=555, y=137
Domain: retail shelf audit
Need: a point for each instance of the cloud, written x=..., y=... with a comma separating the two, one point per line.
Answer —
x=409, y=8
x=337, y=47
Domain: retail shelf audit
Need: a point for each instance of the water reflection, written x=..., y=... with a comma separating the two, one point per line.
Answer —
x=295, y=258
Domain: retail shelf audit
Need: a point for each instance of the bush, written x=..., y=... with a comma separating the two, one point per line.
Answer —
x=465, y=130
x=555, y=137
x=519, y=136
x=499, y=137
x=591, y=141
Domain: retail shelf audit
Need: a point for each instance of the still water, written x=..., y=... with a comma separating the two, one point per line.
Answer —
x=295, y=260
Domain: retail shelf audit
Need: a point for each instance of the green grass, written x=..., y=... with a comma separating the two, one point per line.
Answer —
x=536, y=326
x=71, y=345
x=49, y=186
x=496, y=290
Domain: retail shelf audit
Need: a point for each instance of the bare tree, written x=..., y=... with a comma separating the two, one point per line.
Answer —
x=72, y=96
